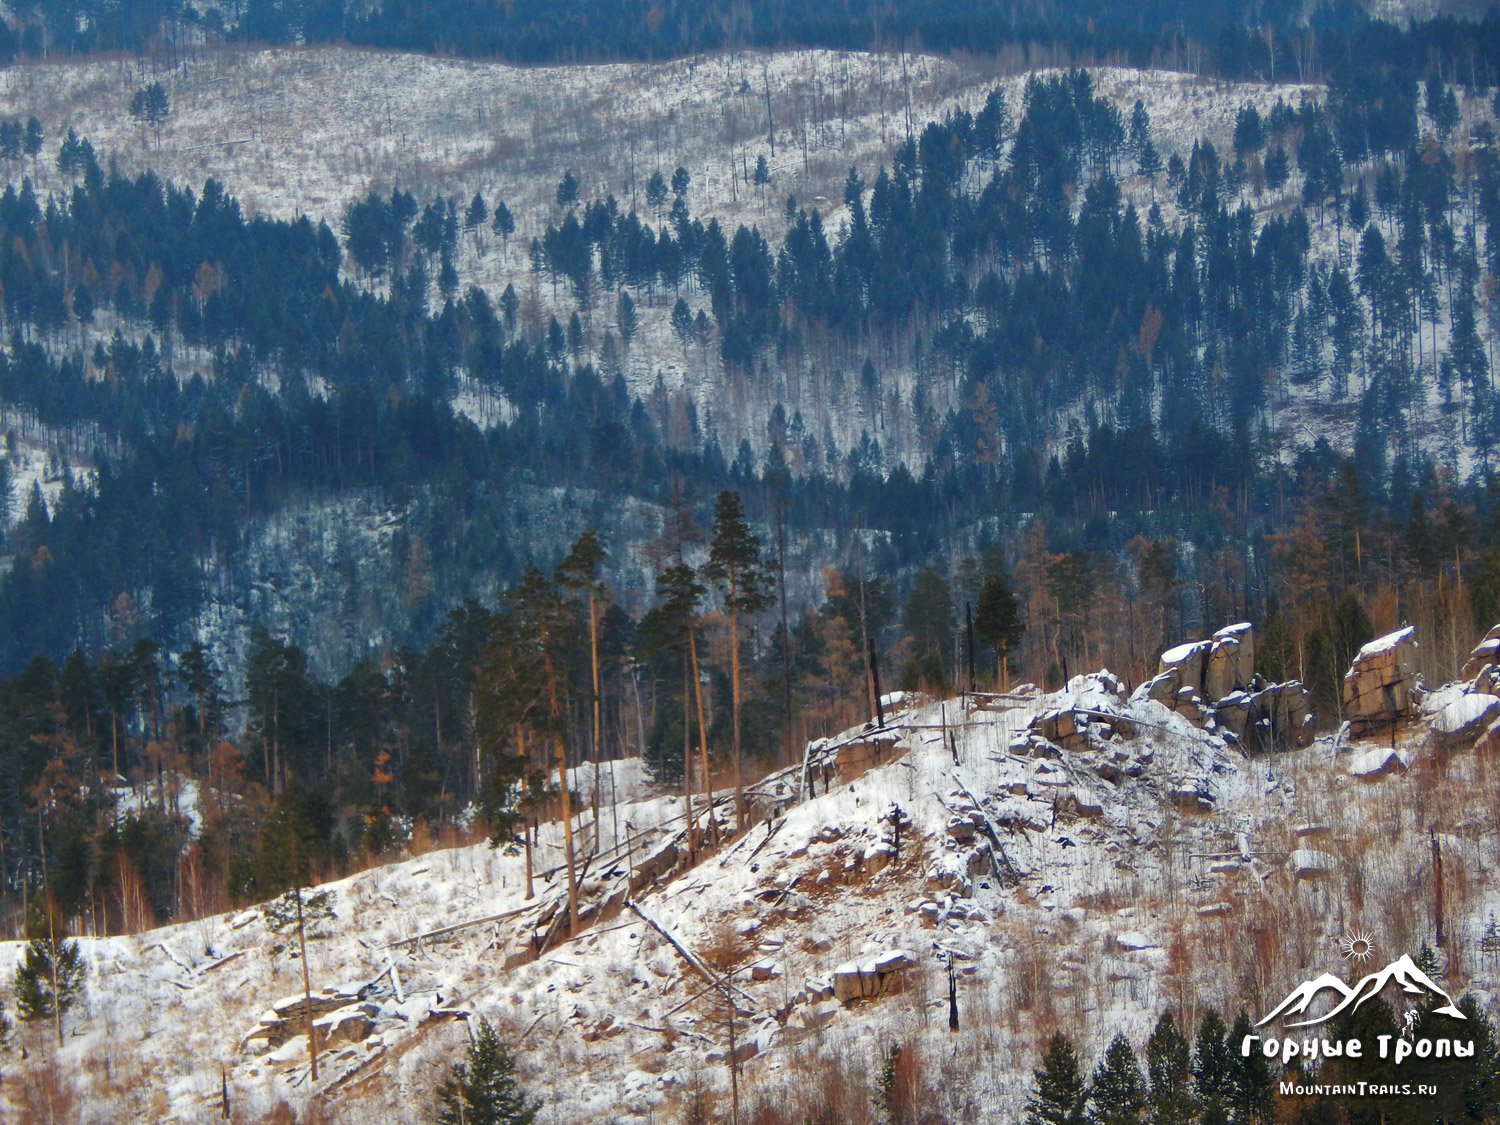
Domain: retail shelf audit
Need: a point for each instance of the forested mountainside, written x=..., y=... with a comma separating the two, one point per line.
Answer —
x=1093, y=370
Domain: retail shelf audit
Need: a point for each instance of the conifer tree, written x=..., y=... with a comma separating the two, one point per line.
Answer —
x=483, y=1090
x=1211, y=1068
x=1169, y=1075
x=1116, y=1094
x=736, y=567
x=541, y=621
x=579, y=572
x=1250, y=1084
x=997, y=615
x=51, y=974
x=1059, y=1096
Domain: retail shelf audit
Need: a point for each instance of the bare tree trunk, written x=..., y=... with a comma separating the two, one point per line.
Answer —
x=687, y=768
x=708, y=787
x=312, y=1032
x=562, y=780
x=740, y=812
x=594, y=660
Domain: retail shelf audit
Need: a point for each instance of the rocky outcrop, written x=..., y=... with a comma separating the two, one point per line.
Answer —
x=854, y=759
x=1213, y=684
x=1381, y=685
x=1211, y=669
x=1308, y=863
x=336, y=1011
x=869, y=977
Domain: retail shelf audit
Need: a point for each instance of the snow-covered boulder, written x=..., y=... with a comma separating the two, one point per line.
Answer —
x=1464, y=719
x=1486, y=652
x=1308, y=863
x=1379, y=761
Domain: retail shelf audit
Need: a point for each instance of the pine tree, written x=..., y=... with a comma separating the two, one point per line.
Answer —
x=1212, y=1060
x=476, y=213
x=1059, y=1096
x=1116, y=1095
x=484, y=1090
x=579, y=573
x=51, y=974
x=997, y=615
x=1169, y=1075
x=1149, y=161
x=541, y=622
x=1250, y=1086
x=656, y=192
x=735, y=566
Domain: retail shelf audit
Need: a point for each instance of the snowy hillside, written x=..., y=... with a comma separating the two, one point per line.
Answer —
x=1082, y=859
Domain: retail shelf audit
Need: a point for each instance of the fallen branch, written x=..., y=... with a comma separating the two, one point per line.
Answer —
x=688, y=955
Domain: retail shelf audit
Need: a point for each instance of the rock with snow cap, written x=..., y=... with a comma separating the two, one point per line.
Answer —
x=1486, y=652
x=1380, y=684
x=1462, y=720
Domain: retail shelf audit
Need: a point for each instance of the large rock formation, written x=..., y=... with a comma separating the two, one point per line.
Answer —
x=1213, y=683
x=1381, y=685
x=858, y=980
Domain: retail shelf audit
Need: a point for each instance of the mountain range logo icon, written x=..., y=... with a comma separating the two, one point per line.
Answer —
x=1413, y=982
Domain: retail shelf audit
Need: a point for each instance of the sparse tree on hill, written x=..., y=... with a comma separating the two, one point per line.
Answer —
x=475, y=216
x=997, y=616
x=483, y=1090
x=656, y=192
x=579, y=573
x=34, y=138
x=149, y=106
x=503, y=223
x=567, y=190
x=51, y=974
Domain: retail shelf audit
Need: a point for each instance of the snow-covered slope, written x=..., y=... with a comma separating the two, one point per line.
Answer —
x=1148, y=864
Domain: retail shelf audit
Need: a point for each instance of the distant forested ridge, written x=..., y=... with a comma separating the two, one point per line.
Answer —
x=1264, y=41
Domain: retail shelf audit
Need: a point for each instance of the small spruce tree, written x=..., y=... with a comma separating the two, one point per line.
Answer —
x=1211, y=1064
x=1117, y=1095
x=51, y=975
x=483, y=1090
x=1059, y=1096
x=1169, y=1075
x=1250, y=1096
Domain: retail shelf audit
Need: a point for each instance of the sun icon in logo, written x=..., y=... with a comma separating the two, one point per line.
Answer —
x=1357, y=945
